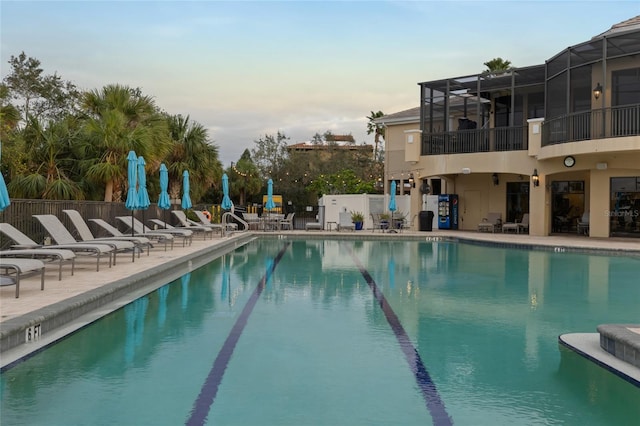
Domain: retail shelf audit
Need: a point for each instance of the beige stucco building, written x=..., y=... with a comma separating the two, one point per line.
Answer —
x=556, y=140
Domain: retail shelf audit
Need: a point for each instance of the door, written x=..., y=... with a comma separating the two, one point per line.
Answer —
x=472, y=206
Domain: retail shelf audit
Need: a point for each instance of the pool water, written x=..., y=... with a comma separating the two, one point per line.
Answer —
x=336, y=332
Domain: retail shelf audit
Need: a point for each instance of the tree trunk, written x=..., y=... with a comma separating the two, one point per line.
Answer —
x=108, y=191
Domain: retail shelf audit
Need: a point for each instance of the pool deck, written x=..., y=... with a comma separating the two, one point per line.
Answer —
x=82, y=287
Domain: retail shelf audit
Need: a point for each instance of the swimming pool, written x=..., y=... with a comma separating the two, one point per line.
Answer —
x=328, y=332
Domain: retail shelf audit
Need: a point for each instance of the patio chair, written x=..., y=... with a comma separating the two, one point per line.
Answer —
x=184, y=223
x=344, y=222
x=252, y=219
x=493, y=222
x=85, y=233
x=51, y=255
x=141, y=228
x=24, y=242
x=378, y=222
x=61, y=235
x=287, y=222
x=20, y=267
x=158, y=237
x=517, y=226
x=583, y=224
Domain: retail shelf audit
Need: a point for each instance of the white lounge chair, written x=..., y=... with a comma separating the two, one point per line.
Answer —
x=19, y=267
x=185, y=223
x=140, y=228
x=160, y=237
x=61, y=235
x=522, y=225
x=24, y=242
x=345, y=222
x=493, y=222
x=85, y=233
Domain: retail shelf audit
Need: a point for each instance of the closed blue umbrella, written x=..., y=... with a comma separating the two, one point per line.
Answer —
x=270, y=205
x=4, y=194
x=392, y=202
x=143, y=195
x=227, y=204
x=186, y=200
x=132, y=179
x=163, y=201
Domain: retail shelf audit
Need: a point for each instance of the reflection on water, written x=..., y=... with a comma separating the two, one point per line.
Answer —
x=484, y=320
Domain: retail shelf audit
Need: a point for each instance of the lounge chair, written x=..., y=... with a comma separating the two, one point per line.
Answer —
x=204, y=221
x=287, y=222
x=522, y=225
x=61, y=235
x=160, y=237
x=85, y=233
x=20, y=267
x=24, y=242
x=583, y=224
x=493, y=222
x=184, y=223
x=345, y=222
x=313, y=226
x=60, y=255
x=141, y=228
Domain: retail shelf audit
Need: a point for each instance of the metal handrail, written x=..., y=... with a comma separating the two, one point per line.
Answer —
x=613, y=122
x=225, y=222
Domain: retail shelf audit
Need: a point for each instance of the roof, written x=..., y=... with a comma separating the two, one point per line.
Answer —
x=411, y=115
x=628, y=25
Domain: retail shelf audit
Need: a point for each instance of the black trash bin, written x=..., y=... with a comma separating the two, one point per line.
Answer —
x=425, y=219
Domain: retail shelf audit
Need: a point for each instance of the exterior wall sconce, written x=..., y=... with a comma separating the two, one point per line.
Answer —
x=597, y=91
x=535, y=178
x=495, y=179
x=412, y=182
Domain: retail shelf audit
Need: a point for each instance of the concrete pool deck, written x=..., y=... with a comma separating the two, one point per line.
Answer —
x=82, y=289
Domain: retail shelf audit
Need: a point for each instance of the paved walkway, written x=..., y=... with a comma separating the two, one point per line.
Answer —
x=86, y=278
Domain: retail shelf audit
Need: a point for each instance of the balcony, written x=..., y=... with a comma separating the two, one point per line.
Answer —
x=477, y=140
x=603, y=123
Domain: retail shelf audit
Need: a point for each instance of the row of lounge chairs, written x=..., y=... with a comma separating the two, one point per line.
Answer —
x=493, y=223
x=27, y=256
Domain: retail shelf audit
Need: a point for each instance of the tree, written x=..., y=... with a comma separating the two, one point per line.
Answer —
x=46, y=97
x=48, y=154
x=270, y=154
x=119, y=120
x=191, y=151
x=244, y=179
x=342, y=182
x=377, y=129
x=497, y=65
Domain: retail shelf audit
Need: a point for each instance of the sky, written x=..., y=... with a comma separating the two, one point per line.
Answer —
x=246, y=69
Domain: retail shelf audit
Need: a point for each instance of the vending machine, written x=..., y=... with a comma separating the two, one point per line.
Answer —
x=448, y=211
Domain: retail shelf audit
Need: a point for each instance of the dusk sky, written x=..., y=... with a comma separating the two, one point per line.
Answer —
x=244, y=69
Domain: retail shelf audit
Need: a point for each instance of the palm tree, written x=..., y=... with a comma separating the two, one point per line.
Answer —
x=191, y=151
x=497, y=65
x=48, y=153
x=120, y=119
x=377, y=129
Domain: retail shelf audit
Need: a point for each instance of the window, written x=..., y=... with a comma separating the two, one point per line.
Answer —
x=626, y=87
x=624, y=209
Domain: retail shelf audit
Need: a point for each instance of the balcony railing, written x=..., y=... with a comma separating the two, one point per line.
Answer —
x=479, y=140
x=603, y=123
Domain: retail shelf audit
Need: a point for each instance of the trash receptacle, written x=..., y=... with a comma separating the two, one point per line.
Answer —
x=425, y=219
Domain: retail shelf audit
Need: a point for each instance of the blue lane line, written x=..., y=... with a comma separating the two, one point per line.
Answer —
x=432, y=399
x=207, y=395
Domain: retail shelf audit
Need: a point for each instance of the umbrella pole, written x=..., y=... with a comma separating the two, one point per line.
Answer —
x=132, y=227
